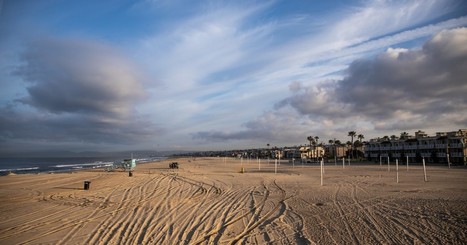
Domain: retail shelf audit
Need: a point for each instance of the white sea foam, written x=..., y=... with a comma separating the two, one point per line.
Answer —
x=81, y=165
x=18, y=169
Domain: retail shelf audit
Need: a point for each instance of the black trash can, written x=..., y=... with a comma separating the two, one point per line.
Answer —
x=130, y=173
x=87, y=184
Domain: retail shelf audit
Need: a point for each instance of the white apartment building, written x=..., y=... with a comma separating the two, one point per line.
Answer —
x=443, y=147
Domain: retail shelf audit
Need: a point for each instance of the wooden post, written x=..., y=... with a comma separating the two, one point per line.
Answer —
x=407, y=157
x=449, y=162
x=275, y=167
x=424, y=169
x=389, y=166
x=397, y=170
x=242, y=170
x=343, y=163
x=322, y=171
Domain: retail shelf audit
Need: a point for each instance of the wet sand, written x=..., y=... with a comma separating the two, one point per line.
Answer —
x=209, y=201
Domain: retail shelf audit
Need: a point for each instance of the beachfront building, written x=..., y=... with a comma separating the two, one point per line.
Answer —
x=292, y=152
x=443, y=147
x=336, y=151
x=314, y=152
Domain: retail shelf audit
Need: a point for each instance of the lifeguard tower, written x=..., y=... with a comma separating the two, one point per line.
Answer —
x=129, y=164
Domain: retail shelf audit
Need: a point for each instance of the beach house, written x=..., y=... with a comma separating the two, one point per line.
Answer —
x=443, y=147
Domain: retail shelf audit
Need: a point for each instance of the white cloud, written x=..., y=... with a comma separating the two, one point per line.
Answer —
x=398, y=90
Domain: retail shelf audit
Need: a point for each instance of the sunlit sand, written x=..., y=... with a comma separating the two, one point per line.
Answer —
x=209, y=201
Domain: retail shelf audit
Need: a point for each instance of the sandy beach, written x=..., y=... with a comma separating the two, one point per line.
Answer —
x=209, y=201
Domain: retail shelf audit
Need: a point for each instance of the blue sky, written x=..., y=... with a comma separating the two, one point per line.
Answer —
x=214, y=75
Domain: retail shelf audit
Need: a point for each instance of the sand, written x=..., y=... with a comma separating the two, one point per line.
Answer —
x=208, y=201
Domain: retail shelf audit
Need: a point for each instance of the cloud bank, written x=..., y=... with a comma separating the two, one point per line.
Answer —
x=399, y=89
x=77, y=90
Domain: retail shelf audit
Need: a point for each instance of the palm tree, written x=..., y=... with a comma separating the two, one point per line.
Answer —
x=316, y=142
x=338, y=144
x=352, y=134
x=393, y=137
x=404, y=135
x=361, y=137
x=349, y=145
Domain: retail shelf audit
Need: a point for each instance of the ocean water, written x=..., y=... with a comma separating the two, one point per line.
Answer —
x=29, y=165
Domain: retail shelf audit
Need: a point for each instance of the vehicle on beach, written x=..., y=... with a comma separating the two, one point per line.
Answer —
x=173, y=165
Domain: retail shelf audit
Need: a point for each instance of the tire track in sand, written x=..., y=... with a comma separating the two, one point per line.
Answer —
x=343, y=216
x=279, y=204
x=108, y=228
x=371, y=223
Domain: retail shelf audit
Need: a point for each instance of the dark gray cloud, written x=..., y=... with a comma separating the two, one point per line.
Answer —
x=77, y=91
x=79, y=76
x=404, y=84
x=255, y=129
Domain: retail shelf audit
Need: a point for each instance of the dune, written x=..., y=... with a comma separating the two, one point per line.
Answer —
x=210, y=201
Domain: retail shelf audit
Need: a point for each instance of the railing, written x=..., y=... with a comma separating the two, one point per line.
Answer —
x=410, y=154
x=456, y=154
x=425, y=154
x=441, y=154
x=428, y=146
x=410, y=147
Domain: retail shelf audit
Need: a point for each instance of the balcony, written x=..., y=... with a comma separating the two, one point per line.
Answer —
x=455, y=145
x=425, y=154
x=410, y=154
x=440, y=146
x=410, y=147
x=456, y=154
x=399, y=147
x=441, y=154
x=396, y=154
x=427, y=146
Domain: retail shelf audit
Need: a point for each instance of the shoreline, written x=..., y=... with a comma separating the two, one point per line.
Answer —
x=62, y=165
